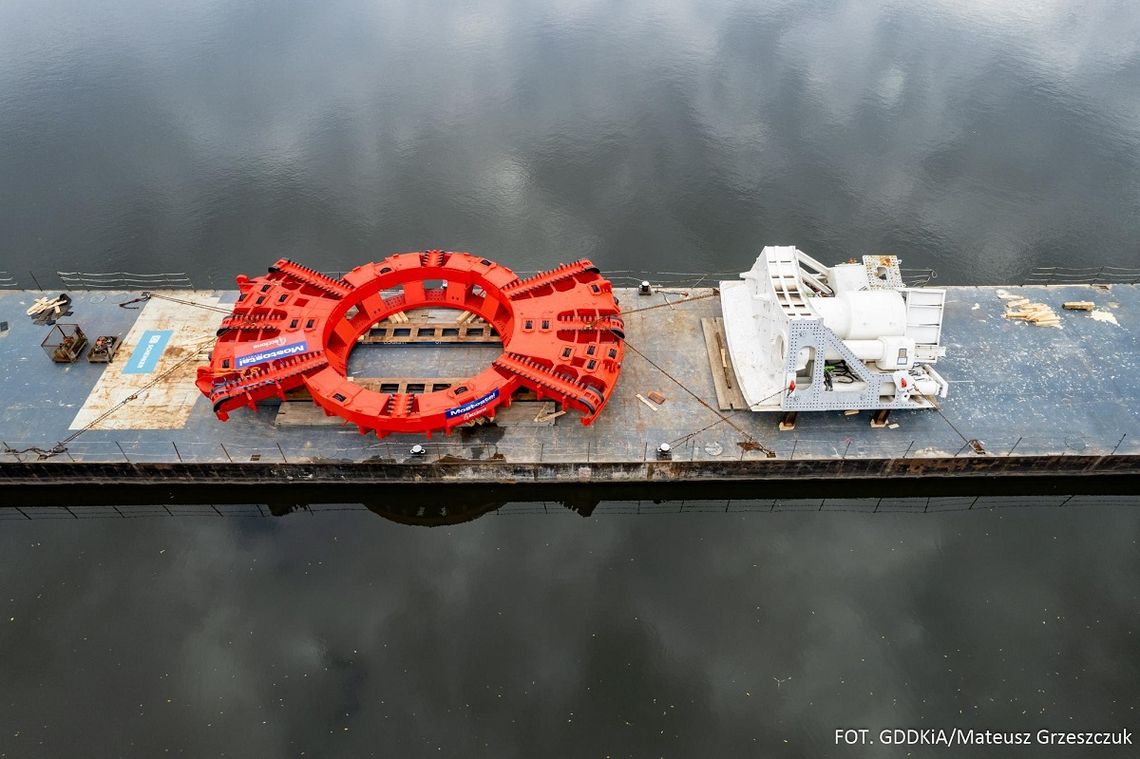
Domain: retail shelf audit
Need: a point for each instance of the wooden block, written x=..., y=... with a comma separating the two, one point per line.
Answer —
x=656, y=397
x=1078, y=305
x=40, y=305
x=647, y=402
x=1038, y=314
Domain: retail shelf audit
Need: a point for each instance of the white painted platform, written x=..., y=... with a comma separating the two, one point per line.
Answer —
x=165, y=405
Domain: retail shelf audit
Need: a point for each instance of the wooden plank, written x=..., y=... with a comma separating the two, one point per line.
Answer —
x=413, y=385
x=728, y=396
x=652, y=406
x=389, y=385
x=430, y=332
x=527, y=414
x=305, y=413
x=408, y=385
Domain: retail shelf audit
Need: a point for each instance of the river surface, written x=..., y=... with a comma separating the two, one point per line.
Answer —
x=980, y=139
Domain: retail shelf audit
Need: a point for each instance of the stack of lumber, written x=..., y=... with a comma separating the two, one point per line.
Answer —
x=1037, y=314
x=467, y=316
x=47, y=310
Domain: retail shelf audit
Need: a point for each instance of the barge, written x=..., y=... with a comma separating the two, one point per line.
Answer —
x=121, y=390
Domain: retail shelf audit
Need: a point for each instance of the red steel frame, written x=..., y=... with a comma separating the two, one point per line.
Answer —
x=561, y=330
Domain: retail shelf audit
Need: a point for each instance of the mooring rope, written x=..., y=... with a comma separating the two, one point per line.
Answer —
x=721, y=417
x=974, y=443
x=150, y=295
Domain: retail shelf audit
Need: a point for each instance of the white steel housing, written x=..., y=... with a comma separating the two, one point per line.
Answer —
x=807, y=337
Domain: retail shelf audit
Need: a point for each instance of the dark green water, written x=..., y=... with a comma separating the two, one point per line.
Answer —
x=980, y=139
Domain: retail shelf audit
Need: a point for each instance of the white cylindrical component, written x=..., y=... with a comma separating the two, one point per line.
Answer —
x=864, y=350
x=863, y=315
x=888, y=352
x=925, y=386
x=921, y=384
x=847, y=278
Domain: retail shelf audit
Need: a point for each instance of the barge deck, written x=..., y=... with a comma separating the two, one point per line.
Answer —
x=1024, y=400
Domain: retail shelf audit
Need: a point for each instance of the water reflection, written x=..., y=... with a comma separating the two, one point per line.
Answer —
x=977, y=138
x=453, y=509
x=335, y=633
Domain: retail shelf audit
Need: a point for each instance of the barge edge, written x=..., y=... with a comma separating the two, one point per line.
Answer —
x=494, y=473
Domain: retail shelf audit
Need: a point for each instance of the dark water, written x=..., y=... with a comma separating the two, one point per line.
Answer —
x=666, y=634
x=981, y=139
x=211, y=137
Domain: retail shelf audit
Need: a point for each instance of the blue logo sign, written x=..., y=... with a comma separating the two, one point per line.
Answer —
x=270, y=349
x=470, y=406
x=149, y=350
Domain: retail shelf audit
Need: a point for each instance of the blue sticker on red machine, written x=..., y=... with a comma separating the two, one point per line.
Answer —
x=474, y=405
x=147, y=353
x=267, y=350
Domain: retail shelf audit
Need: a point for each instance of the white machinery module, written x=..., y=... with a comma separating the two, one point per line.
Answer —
x=807, y=337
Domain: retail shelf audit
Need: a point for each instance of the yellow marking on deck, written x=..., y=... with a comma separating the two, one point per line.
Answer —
x=168, y=404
